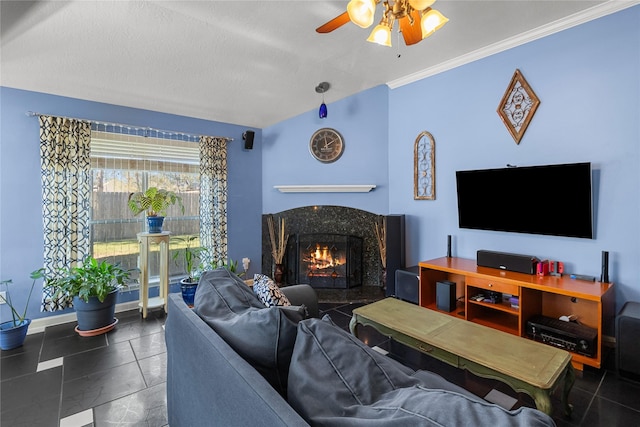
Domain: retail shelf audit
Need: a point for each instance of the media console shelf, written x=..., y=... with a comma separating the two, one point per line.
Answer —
x=592, y=302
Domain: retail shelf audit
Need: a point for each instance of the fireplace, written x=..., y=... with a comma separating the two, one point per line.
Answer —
x=368, y=271
x=325, y=260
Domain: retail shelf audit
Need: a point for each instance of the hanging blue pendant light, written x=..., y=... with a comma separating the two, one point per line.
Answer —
x=323, y=111
x=322, y=88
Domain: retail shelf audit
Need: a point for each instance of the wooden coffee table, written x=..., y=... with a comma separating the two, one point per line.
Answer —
x=525, y=365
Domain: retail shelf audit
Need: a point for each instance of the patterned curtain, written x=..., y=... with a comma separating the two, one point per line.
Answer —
x=213, y=197
x=66, y=191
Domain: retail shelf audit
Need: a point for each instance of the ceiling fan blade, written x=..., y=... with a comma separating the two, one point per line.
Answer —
x=412, y=33
x=336, y=22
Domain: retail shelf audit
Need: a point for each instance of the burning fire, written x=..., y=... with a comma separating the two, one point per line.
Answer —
x=323, y=258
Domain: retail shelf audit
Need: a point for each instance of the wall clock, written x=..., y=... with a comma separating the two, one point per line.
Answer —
x=326, y=145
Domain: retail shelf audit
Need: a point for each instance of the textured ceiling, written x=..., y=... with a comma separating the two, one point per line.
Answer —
x=252, y=63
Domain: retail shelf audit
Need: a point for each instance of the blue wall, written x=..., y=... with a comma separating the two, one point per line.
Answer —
x=362, y=120
x=588, y=81
x=21, y=236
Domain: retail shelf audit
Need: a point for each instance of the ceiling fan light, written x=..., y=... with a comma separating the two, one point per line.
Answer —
x=361, y=12
x=381, y=34
x=432, y=21
x=421, y=4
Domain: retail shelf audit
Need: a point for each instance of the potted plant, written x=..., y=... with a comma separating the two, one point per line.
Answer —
x=190, y=257
x=154, y=202
x=94, y=287
x=13, y=332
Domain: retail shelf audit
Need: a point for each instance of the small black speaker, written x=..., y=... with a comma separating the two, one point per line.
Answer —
x=449, y=246
x=446, y=296
x=627, y=343
x=604, y=275
x=408, y=284
x=248, y=139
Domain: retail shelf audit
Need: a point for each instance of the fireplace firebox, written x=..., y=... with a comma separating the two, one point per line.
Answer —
x=325, y=260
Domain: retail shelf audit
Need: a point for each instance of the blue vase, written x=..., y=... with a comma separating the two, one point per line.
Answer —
x=154, y=224
x=188, y=291
x=13, y=336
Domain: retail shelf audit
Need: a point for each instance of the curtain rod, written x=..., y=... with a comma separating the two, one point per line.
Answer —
x=123, y=125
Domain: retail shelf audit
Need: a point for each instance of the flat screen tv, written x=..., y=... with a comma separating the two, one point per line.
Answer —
x=551, y=199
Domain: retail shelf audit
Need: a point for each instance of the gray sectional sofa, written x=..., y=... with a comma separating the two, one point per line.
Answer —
x=233, y=362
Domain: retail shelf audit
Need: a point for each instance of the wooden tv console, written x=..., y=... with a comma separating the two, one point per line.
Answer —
x=592, y=302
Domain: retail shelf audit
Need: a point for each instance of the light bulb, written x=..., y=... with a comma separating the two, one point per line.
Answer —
x=432, y=21
x=421, y=4
x=361, y=12
x=381, y=34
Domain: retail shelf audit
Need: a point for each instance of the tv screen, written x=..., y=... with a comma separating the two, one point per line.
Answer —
x=552, y=199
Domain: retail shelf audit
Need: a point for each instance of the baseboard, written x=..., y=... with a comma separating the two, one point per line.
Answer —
x=38, y=325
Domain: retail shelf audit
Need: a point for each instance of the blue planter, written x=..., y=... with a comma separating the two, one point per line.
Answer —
x=154, y=224
x=94, y=314
x=188, y=291
x=13, y=336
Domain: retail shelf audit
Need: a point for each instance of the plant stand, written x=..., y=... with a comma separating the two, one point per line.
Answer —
x=145, y=240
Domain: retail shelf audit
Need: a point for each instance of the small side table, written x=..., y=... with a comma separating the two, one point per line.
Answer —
x=145, y=240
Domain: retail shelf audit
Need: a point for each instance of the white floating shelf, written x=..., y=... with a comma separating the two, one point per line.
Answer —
x=343, y=188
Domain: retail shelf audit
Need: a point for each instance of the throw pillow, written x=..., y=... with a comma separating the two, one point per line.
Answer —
x=264, y=337
x=268, y=292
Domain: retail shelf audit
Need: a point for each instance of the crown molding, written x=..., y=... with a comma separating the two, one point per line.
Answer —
x=604, y=9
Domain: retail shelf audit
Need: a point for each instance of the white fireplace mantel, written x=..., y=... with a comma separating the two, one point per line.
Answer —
x=341, y=188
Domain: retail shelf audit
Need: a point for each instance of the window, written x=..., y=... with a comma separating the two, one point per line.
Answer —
x=123, y=163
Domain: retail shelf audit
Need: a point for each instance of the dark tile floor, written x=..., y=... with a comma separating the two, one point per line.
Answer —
x=60, y=379
x=115, y=379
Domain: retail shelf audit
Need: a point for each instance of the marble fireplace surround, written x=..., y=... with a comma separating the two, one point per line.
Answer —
x=329, y=219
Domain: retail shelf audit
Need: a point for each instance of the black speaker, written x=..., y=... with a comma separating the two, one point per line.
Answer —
x=604, y=275
x=627, y=342
x=408, y=284
x=449, y=246
x=446, y=296
x=506, y=261
x=395, y=250
x=248, y=139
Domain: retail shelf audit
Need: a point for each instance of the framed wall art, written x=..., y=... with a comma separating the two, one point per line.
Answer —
x=424, y=167
x=518, y=105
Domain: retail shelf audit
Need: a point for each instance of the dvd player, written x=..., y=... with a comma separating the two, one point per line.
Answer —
x=570, y=336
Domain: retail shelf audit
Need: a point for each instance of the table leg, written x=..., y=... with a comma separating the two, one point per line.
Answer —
x=353, y=325
x=144, y=276
x=569, y=379
x=543, y=400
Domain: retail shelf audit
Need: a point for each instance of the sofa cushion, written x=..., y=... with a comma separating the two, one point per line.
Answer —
x=264, y=337
x=332, y=366
x=268, y=292
x=336, y=380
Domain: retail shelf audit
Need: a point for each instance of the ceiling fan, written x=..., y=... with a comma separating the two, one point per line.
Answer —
x=416, y=19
